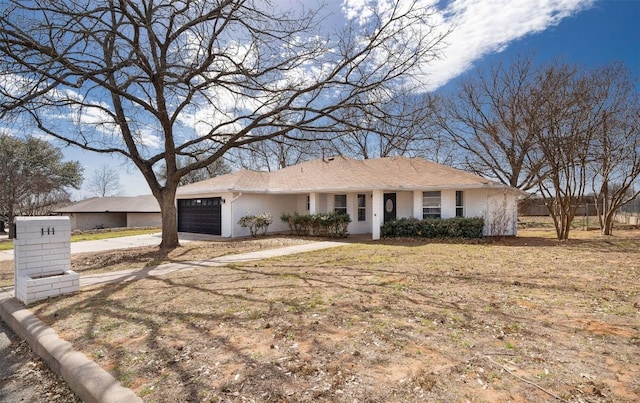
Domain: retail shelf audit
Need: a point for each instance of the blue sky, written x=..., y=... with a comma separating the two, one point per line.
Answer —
x=606, y=32
x=585, y=32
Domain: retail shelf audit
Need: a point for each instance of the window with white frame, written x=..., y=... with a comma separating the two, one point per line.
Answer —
x=431, y=205
x=459, y=203
x=308, y=202
x=362, y=207
x=340, y=204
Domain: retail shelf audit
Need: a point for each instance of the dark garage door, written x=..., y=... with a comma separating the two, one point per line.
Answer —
x=201, y=216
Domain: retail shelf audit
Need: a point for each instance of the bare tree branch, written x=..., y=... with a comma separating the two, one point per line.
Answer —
x=154, y=81
x=615, y=151
x=104, y=182
x=550, y=128
x=487, y=118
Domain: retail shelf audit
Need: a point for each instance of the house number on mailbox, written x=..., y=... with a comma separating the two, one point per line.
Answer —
x=50, y=231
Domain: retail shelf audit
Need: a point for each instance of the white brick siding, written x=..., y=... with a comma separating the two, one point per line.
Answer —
x=42, y=258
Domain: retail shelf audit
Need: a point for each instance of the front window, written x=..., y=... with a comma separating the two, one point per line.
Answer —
x=362, y=207
x=340, y=204
x=459, y=203
x=431, y=206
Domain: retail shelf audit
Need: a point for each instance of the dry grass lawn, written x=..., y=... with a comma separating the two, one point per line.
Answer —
x=523, y=319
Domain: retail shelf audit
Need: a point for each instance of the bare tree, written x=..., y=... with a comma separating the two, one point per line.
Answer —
x=487, y=118
x=396, y=122
x=153, y=81
x=44, y=203
x=277, y=152
x=562, y=107
x=219, y=167
x=548, y=128
x=104, y=182
x=615, y=152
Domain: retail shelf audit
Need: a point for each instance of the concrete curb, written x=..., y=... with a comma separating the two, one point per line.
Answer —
x=87, y=379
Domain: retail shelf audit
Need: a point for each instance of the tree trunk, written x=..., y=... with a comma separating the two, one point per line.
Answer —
x=569, y=215
x=607, y=228
x=562, y=230
x=10, y=218
x=169, y=218
x=562, y=218
x=558, y=226
x=566, y=229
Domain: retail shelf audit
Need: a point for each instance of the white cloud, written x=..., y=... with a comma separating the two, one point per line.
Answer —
x=147, y=138
x=13, y=84
x=363, y=10
x=480, y=27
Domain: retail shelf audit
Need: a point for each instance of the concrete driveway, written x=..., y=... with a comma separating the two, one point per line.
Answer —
x=106, y=244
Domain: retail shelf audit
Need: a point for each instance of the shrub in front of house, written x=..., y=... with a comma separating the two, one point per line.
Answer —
x=299, y=224
x=456, y=227
x=334, y=225
x=257, y=224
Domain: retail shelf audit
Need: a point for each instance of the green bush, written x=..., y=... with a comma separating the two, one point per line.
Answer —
x=332, y=224
x=257, y=224
x=298, y=224
x=456, y=227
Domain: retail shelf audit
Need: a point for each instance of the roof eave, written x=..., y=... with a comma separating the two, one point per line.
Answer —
x=351, y=189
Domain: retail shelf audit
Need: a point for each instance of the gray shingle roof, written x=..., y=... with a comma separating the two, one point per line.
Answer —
x=115, y=204
x=339, y=174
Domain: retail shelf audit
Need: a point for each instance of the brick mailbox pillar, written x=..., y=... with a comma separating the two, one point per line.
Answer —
x=42, y=258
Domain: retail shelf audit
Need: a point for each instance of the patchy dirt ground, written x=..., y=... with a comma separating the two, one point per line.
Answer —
x=24, y=377
x=524, y=319
x=144, y=257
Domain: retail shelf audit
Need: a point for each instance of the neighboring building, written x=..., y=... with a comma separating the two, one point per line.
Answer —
x=113, y=212
x=534, y=205
x=371, y=191
x=629, y=213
